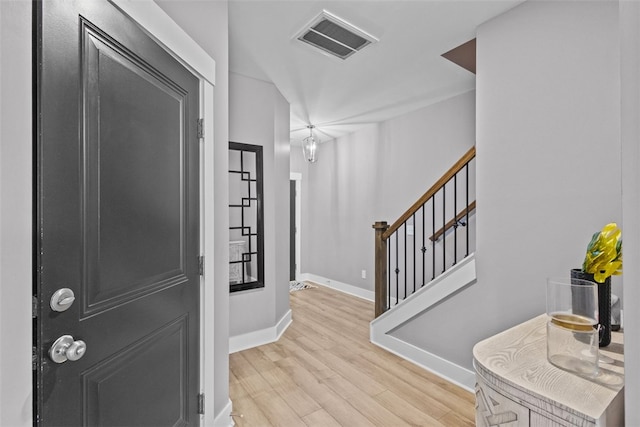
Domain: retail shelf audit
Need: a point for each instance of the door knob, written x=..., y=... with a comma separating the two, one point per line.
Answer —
x=66, y=348
x=62, y=299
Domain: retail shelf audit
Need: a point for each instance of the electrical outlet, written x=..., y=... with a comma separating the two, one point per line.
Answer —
x=364, y=274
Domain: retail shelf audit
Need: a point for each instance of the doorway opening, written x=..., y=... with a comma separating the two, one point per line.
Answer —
x=295, y=221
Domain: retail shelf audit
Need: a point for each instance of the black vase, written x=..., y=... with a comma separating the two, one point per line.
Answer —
x=604, y=304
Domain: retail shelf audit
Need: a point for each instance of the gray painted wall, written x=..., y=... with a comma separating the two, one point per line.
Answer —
x=282, y=149
x=259, y=115
x=15, y=206
x=372, y=175
x=548, y=165
x=630, y=135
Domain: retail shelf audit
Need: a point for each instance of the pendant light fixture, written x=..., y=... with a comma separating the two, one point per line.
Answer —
x=310, y=146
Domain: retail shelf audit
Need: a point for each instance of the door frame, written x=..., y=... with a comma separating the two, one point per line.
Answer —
x=297, y=177
x=16, y=189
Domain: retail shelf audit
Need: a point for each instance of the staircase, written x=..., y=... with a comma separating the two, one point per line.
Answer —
x=425, y=256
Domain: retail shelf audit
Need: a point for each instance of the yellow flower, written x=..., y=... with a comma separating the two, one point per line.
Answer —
x=604, y=253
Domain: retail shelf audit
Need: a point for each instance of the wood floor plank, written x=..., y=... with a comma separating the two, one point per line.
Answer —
x=333, y=330
x=255, y=385
x=344, y=412
x=232, y=378
x=363, y=402
x=334, y=308
x=314, y=343
x=295, y=397
x=240, y=366
x=406, y=391
x=281, y=351
x=335, y=405
x=392, y=359
x=307, y=381
x=252, y=415
x=406, y=411
x=274, y=354
x=278, y=378
x=348, y=371
x=277, y=411
x=236, y=389
x=456, y=420
x=454, y=401
x=341, y=313
x=315, y=366
x=320, y=418
x=258, y=360
x=324, y=371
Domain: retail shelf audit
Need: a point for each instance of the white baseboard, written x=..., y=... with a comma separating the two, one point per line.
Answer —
x=339, y=286
x=456, y=374
x=260, y=337
x=454, y=279
x=283, y=324
x=224, y=419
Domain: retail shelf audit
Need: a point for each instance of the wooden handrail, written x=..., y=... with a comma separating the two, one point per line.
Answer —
x=469, y=155
x=448, y=225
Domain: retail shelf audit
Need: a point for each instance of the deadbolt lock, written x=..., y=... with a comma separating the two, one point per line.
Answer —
x=62, y=299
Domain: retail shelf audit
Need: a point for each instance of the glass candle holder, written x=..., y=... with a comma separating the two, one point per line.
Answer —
x=572, y=334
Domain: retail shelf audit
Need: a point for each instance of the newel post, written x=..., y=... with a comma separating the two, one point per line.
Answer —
x=381, y=268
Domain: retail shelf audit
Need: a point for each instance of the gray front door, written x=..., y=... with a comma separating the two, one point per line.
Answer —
x=117, y=223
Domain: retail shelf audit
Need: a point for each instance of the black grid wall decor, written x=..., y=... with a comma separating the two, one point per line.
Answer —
x=246, y=228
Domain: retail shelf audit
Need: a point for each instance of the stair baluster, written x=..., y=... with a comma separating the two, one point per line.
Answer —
x=438, y=197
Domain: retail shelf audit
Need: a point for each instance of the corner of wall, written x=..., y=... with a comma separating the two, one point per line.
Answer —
x=224, y=417
x=259, y=115
x=260, y=337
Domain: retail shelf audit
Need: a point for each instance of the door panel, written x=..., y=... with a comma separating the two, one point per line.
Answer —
x=136, y=110
x=110, y=385
x=118, y=206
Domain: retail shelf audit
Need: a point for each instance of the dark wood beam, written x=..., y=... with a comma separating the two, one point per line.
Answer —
x=463, y=55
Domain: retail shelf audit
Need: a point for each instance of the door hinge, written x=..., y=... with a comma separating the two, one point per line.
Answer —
x=200, y=130
x=34, y=306
x=34, y=358
x=201, y=265
x=201, y=403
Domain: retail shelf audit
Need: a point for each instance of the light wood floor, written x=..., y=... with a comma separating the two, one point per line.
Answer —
x=324, y=372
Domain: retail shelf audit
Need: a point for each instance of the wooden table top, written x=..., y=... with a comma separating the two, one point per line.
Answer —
x=518, y=357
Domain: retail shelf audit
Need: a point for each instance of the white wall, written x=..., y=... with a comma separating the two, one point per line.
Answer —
x=548, y=164
x=15, y=206
x=375, y=174
x=630, y=135
x=259, y=115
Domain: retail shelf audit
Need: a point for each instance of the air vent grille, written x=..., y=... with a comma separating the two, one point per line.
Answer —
x=327, y=44
x=335, y=36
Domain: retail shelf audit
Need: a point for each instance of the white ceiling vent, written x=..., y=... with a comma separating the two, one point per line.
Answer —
x=335, y=35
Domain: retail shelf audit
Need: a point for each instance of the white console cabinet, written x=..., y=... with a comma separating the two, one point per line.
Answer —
x=517, y=387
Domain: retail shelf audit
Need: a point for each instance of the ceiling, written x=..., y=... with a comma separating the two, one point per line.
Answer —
x=402, y=72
